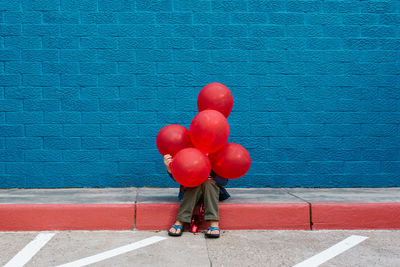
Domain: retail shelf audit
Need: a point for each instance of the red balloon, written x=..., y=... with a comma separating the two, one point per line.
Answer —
x=215, y=96
x=173, y=138
x=232, y=161
x=190, y=167
x=209, y=131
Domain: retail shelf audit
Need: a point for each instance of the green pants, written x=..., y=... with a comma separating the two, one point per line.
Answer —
x=209, y=192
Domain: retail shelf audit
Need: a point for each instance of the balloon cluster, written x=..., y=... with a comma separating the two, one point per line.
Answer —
x=204, y=147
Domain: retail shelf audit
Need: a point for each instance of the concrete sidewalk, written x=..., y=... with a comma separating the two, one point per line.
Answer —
x=156, y=208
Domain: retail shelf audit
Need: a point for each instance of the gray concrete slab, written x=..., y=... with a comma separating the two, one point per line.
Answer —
x=233, y=248
x=169, y=195
x=261, y=195
x=346, y=195
x=158, y=195
x=68, y=196
x=238, y=195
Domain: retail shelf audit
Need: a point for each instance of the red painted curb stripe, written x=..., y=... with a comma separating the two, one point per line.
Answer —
x=160, y=216
x=355, y=216
x=290, y=216
x=39, y=217
x=157, y=216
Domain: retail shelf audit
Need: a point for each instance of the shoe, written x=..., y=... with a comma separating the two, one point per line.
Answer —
x=176, y=227
x=209, y=235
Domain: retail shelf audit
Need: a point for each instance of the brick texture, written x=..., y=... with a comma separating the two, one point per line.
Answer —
x=85, y=86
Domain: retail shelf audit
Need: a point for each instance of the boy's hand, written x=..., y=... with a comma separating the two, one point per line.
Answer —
x=167, y=161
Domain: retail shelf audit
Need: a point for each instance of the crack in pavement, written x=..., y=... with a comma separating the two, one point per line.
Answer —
x=208, y=253
x=302, y=199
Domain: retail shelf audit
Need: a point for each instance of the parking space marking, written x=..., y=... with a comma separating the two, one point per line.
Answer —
x=30, y=250
x=332, y=252
x=114, y=252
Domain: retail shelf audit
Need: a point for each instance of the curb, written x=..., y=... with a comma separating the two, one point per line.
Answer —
x=46, y=217
x=234, y=216
x=289, y=216
x=356, y=216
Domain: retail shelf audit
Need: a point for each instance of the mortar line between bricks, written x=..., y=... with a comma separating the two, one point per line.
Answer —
x=309, y=206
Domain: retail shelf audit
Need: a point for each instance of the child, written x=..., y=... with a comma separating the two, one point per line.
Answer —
x=210, y=192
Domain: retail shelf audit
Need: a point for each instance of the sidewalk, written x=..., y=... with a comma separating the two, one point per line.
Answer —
x=156, y=208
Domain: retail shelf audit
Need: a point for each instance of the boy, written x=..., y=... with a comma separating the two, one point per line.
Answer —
x=210, y=192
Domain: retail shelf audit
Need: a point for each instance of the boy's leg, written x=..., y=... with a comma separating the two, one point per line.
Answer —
x=211, y=198
x=189, y=200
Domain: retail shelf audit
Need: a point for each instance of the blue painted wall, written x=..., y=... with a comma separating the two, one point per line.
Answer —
x=85, y=86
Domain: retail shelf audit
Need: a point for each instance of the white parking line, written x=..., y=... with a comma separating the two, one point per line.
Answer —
x=114, y=252
x=331, y=252
x=30, y=250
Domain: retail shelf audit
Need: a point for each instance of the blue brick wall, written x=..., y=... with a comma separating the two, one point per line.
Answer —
x=85, y=86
